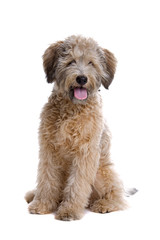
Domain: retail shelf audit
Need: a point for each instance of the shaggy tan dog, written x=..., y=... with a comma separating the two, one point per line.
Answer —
x=75, y=170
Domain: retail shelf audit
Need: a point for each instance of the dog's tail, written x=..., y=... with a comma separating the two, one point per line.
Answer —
x=130, y=191
x=29, y=196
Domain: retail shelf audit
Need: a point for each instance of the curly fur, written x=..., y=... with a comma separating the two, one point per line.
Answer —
x=75, y=170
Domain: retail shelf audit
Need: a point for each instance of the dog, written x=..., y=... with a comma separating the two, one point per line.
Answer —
x=75, y=171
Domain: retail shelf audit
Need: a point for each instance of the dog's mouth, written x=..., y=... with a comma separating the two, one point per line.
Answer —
x=79, y=93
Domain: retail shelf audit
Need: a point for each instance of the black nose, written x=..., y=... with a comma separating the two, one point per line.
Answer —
x=81, y=80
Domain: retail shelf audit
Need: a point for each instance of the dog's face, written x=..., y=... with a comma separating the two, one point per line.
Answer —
x=78, y=66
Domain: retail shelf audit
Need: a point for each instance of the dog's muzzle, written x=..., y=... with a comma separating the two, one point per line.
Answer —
x=79, y=92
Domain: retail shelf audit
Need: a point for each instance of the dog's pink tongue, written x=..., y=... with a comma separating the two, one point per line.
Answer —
x=80, y=93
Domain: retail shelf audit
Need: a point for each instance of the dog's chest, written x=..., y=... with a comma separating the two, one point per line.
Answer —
x=67, y=130
x=75, y=131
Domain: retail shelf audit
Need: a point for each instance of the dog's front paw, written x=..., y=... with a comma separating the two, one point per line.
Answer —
x=68, y=213
x=41, y=207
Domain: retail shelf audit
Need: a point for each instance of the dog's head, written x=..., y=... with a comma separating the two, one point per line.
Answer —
x=78, y=66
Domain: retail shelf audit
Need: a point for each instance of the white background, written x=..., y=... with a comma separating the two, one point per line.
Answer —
x=130, y=29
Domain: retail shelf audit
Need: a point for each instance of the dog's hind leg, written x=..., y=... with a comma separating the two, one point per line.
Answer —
x=110, y=192
x=107, y=185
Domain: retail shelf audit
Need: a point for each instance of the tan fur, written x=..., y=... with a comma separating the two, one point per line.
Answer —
x=75, y=170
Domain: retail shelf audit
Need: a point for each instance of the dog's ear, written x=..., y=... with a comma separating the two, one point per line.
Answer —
x=50, y=59
x=109, y=64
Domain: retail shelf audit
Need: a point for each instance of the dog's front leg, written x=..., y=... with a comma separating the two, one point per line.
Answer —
x=78, y=187
x=49, y=183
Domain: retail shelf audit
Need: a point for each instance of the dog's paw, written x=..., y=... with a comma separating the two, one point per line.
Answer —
x=68, y=213
x=39, y=207
x=106, y=206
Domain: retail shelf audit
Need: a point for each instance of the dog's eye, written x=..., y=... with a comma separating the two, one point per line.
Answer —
x=91, y=63
x=72, y=62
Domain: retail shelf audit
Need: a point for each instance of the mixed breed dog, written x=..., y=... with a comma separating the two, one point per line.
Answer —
x=75, y=171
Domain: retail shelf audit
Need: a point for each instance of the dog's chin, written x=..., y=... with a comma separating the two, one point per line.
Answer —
x=78, y=95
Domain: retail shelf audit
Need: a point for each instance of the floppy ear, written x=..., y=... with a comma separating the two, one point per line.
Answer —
x=109, y=64
x=50, y=60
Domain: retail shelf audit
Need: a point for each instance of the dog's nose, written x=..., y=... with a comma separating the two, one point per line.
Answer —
x=81, y=80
